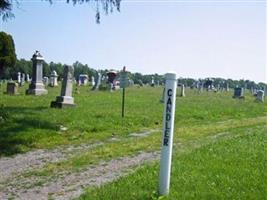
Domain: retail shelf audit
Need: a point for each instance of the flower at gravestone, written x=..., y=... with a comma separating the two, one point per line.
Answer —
x=62, y=128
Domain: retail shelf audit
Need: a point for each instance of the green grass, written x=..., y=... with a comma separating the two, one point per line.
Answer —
x=212, y=132
x=232, y=167
x=33, y=124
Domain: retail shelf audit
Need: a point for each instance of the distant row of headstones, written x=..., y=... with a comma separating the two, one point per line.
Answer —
x=259, y=94
x=238, y=93
x=37, y=85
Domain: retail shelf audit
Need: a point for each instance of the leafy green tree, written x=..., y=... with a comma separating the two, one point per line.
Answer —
x=5, y=9
x=79, y=68
x=22, y=66
x=46, y=69
x=106, y=5
x=7, y=52
x=58, y=67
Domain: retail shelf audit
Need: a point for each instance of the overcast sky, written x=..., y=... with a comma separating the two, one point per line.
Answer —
x=194, y=38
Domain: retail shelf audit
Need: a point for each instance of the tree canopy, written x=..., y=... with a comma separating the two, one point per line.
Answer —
x=7, y=52
x=107, y=6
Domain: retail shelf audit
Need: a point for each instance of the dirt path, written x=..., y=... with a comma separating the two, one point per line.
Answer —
x=37, y=159
x=11, y=166
x=68, y=185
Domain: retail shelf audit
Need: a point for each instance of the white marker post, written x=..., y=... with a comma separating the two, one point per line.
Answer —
x=167, y=136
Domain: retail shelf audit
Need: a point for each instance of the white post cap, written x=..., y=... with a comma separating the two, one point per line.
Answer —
x=170, y=76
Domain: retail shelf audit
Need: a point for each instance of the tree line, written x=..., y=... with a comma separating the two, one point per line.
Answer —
x=10, y=66
x=25, y=66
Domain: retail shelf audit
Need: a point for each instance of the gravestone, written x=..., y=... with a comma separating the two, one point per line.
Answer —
x=227, y=87
x=98, y=81
x=200, y=86
x=65, y=99
x=93, y=81
x=131, y=82
x=22, y=79
x=112, y=76
x=28, y=78
x=255, y=92
x=218, y=87
x=46, y=80
x=83, y=79
x=12, y=88
x=182, y=91
x=140, y=83
x=152, y=82
x=53, y=79
x=238, y=93
x=19, y=78
x=260, y=96
x=252, y=90
x=37, y=87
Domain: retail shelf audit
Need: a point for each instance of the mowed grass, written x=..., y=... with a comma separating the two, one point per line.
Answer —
x=97, y=116
x=232, y=167
x=219, y=142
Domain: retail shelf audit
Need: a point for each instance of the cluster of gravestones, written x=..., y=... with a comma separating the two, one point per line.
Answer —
x=152, y=83
x=259, y=94
x=110, y=81
x=37, y=85
x=238, y=91
x=208, y=85
x=52, y=81
x=12, y=86
x=38, y=82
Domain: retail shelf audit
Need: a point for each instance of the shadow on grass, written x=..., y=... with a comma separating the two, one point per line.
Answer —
x=19, y=133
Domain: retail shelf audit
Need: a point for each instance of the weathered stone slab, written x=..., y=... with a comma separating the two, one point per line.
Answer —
x=65, y=99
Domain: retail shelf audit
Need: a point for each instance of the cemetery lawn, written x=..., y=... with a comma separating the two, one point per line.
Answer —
x=32, y=124
x=231, y=168
x=219, y=142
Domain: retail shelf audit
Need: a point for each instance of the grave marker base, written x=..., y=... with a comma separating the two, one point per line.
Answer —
x=63, y=102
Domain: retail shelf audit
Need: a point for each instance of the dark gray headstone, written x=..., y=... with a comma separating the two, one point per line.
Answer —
x=238, y=92
x=12, y=88
x=260, y=96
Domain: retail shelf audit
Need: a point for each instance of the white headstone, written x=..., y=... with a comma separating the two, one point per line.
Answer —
x=182, y=90
x=19, y=77
x=53, y=79
x=28, y=78
x=45, y=80
x=93, y=81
